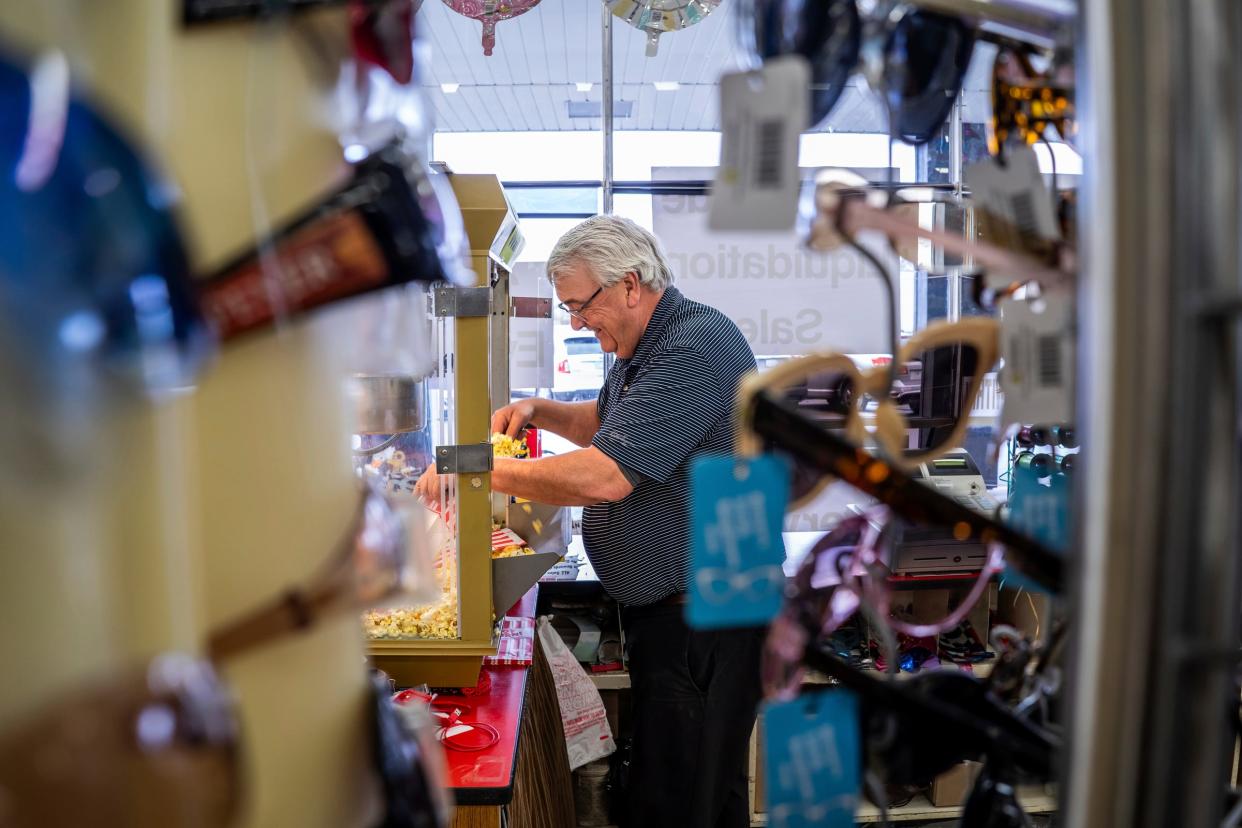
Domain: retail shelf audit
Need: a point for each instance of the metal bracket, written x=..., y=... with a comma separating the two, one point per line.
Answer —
x=531, y=307
x=475, y=458
x=460, y=302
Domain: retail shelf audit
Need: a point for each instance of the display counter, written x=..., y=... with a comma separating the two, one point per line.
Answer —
x=526, y=772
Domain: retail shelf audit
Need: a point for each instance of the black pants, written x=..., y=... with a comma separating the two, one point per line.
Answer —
x=695, y=695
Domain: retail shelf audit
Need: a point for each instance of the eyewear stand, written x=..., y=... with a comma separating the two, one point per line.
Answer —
x=1154, y=683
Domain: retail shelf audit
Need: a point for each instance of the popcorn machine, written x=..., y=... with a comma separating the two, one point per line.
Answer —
x=482, y=566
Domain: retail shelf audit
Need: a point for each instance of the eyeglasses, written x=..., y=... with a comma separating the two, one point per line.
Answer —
x=720, y=586
x=845, y=204
x=767, y=421
x=916, y=58
x=577, y=313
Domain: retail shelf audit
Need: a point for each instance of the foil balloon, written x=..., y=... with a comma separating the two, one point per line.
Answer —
x=488, y=12
x=655, y=17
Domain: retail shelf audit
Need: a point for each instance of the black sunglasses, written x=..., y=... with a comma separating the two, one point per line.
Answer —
x=577, y=312
x=916, y=58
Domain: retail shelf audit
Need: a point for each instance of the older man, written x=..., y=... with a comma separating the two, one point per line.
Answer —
x=668, y=399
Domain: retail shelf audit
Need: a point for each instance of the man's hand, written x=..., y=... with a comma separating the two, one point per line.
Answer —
x=513, y=418
x=437, y=492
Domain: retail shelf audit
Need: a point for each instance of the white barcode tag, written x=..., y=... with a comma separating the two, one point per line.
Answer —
x=1038, y=350
x=762, y=115
x=1014, y=204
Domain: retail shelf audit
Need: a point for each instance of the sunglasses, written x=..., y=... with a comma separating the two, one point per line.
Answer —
x=94, y=270
x=837, y=391
x=916, y=58
x=578, y=312
x=918, y=727
x=368, y=566
x=160, y=746
x=847, y=571
x=386, y=227
x=769, y=422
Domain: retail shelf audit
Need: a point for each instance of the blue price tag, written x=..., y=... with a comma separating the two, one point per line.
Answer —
x=1041, y=510
x=737, y=510
x=812, y=760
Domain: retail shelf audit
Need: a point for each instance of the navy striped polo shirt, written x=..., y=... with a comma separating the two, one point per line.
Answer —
x=673, y=400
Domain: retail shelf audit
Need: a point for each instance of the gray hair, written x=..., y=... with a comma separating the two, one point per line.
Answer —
x=612, y=246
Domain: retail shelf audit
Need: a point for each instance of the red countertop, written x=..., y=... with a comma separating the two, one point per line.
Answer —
x=485, y=777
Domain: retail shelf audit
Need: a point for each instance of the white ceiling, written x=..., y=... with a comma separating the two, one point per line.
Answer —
x=541, y=54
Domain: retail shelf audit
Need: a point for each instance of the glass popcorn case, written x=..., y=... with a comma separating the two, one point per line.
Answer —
x=483, y=551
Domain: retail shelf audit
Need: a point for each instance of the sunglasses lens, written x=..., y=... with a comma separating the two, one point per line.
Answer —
x=925, y=63
x=832, y=37
x=932, y=390
x=827, y=34
x=93, y=269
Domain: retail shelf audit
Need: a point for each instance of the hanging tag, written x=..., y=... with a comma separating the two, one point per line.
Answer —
x=1038, y=349
x=737, y=510
x=1014, y=206
x=1041, y=510
x=812, y=760
x=762, y=115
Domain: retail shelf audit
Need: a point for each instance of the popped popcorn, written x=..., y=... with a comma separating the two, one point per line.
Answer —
x=505, y=446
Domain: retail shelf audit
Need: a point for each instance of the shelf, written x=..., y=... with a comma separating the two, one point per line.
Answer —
x=616, y=680
x=620, y=680
x=1035, y=800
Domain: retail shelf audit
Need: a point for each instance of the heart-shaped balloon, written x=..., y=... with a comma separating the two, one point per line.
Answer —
x=488, y=12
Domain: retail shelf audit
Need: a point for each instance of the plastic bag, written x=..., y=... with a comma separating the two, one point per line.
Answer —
x=587, y=735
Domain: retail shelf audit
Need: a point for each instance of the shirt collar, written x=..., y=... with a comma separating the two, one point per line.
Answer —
x=669, y=302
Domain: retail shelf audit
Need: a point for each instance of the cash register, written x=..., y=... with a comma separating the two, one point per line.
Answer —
x=925, y=550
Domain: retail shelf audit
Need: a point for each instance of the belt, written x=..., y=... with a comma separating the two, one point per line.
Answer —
x=677, y=599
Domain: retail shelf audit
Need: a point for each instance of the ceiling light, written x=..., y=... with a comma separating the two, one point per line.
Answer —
x=666, y=86
x=585, y=87
x=449, y=88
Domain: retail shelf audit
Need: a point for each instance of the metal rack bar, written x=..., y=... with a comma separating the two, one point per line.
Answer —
x=1041, y=21
x=606, y=77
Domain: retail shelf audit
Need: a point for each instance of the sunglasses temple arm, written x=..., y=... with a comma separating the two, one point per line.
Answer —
x=857, y=215
x=295, y=610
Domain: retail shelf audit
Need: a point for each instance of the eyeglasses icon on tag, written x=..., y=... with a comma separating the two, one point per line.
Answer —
x=720, y=586
x=739, y=520
x=736, y=576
